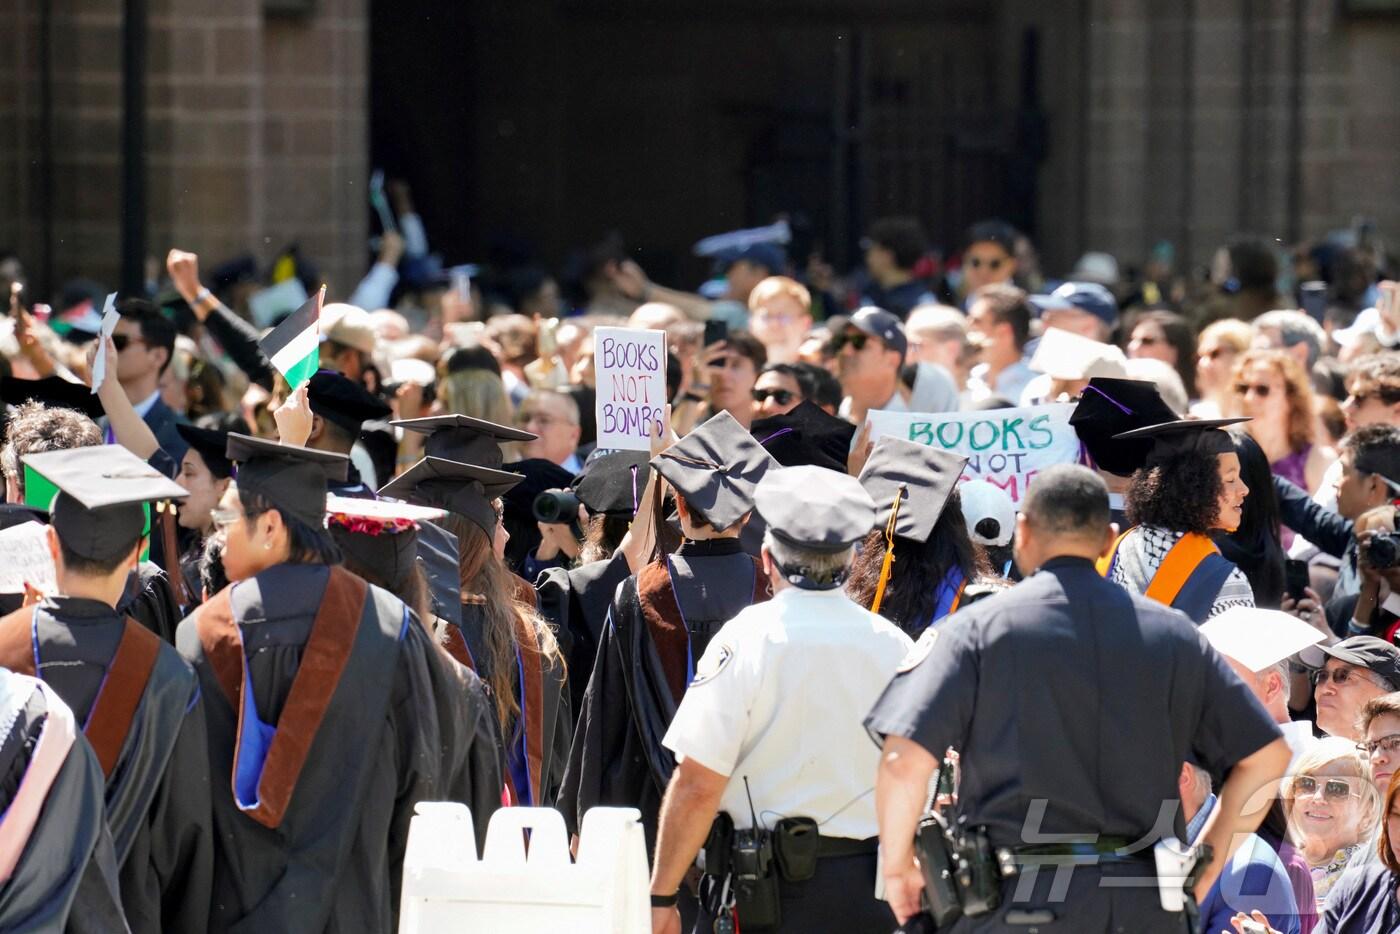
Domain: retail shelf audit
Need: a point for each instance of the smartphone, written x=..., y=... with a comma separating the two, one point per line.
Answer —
x=1313, y=296
x=1295, y=577
x=715, y=331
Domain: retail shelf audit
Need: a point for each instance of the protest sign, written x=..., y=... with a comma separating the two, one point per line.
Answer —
x=24, y=558
x=631, y=376
x=1006, y=447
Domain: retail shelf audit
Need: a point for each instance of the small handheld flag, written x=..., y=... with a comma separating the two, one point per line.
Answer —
x=294, y=346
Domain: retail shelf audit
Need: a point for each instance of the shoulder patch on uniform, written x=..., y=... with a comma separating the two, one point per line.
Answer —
x=918, y=651
x=722, y=656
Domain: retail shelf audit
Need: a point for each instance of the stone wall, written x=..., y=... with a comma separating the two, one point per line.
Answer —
x=256, y=133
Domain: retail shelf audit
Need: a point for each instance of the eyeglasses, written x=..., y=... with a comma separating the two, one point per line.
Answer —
x=1333, y=789
x=535, y=418
x=223, y=518
x=977, y=262
x=1259, y=389
x=120, y=341
x=1336, y=675
x=1387, y=744
x=781, y=396
x=857, y=342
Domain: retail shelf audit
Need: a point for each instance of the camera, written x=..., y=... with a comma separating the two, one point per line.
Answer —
x=1383, y=551
x=556, y=506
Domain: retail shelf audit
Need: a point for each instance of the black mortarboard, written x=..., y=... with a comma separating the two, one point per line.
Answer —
x=715, y=469
x=463, y=438
x=612, y=484
x=815, y=509
x=464, y=489
x=1107, y=408
x=291, y=478
x=921, y=478
x=97, y=512
x=806, y=435
x=339, y=399
x=53, y=391
x=379, y=534
x=212, y=447
x=1184, y=436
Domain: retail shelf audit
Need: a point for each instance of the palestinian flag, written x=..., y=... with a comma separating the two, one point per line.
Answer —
x=294, y=346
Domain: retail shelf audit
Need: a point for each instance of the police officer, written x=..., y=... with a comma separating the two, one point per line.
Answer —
x=1073, y=704
x=769, y=733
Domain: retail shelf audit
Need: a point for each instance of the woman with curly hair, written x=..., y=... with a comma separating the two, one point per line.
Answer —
x=1272, y=388
x=914, y=568
x=1188, y=487
x=499, y=634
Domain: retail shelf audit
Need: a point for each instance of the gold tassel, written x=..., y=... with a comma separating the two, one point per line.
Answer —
x=889, y=552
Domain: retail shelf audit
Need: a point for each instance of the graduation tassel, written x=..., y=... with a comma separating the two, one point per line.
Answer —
x=889, y=553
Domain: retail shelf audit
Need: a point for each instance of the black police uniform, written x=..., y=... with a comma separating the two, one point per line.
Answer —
x=1087, y=699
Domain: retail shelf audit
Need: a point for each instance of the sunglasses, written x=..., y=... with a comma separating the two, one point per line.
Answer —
x=781, y=396
x=1336, y=676
x=1259, y=389
x=1146, y=341
x=1387, y=744
x=1333, y=789
x=120, y=341
x=857, y=342
x=977, y=262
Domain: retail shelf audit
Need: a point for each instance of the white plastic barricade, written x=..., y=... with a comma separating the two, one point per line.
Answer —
x=446, y=888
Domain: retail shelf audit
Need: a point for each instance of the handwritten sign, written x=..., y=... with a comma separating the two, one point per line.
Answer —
x=1006, y=447
x=631, y=377
x=24, y=557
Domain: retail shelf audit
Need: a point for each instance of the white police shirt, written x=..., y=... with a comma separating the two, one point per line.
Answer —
x=779, y=696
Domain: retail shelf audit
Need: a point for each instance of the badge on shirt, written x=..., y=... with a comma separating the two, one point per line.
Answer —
x=918, y=651
x=721, y=658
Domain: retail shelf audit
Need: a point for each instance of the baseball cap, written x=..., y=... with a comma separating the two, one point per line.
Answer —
x=1376, y=655
x=348, y=325
x=882, y=324
x=768, y=255
x=988, y=511
x=1084, y=296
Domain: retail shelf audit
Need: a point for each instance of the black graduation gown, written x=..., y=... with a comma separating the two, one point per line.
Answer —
x=317, y=844
x=150, y=600
x=66, y=877
x=658, y=626
x=537, y=747
x=576, y=603
x=156, y=764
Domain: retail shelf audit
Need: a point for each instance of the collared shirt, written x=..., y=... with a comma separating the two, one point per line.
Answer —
x=1030, y=662
x=778, y=699
x=1010, y=383
x=143, y=408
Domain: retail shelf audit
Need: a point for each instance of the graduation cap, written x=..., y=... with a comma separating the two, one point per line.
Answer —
x=98, y=512
x=612, y=484
x=1258, y=638
x=813, y=508
x=53, y=391
x=212, y=447
x=1108, y=408
x=341, y=400
x=463, y=438
x=910, y=484
x=465, y=489
x=715, y=469
x=806, y=435
x=1184, y=436
x=379, y=534
x=291, y=478
x=1066, y=355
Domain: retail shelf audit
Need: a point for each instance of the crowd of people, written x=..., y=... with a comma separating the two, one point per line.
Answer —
x=280, y=615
